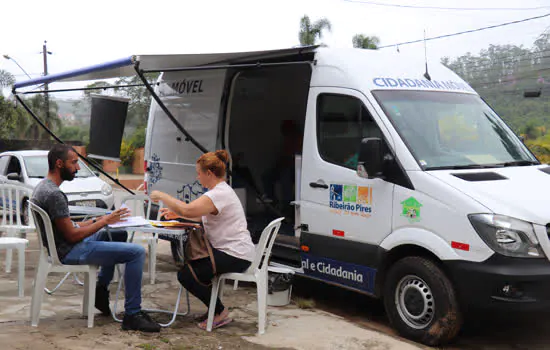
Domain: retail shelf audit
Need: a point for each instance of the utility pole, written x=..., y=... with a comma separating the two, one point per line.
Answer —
x=45, y=54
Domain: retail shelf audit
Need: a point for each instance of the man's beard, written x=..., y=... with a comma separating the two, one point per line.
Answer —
x=66, y=175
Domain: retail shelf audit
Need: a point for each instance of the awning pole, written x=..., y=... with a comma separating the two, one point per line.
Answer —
x=188, y=136
x=35, y=117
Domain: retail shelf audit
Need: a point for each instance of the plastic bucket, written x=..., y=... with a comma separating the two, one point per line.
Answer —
x=279, y=288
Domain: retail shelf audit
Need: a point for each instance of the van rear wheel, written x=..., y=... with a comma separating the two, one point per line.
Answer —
x=420, y=301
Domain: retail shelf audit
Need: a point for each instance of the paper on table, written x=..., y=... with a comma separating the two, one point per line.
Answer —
x=127, y=207
x=131, y=221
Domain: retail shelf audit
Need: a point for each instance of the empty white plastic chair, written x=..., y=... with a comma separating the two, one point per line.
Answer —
x=49, y=262
x=16, y=218
x=137, y=204
x=257, y=273
x=20, y=244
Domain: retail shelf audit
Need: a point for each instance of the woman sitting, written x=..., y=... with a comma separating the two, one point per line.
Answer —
x=225, y=226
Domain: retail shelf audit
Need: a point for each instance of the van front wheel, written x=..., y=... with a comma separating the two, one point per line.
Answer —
x=420, y=301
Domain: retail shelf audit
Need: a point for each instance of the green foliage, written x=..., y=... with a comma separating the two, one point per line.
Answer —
x=361, y=41
x=9, y=118
x=303, y=303
x=137, y=140
x=140, y=98
x=310, y=32
x=501, y=74
x=6, y=79
x=126, y=153
x=73, y=133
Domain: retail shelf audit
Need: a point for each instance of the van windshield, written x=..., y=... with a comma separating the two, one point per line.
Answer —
x=37, y=167
x=452, y=130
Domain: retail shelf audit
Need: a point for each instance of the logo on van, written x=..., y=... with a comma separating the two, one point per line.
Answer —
x=187, y=87
x=351, y=199
x=155, y=169
x=190, y=192
x=411, y=209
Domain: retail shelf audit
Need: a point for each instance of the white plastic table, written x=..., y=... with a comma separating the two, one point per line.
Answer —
x=179, y=233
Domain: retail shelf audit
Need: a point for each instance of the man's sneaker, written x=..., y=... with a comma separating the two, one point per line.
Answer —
x=102, y=300
x=139, y=322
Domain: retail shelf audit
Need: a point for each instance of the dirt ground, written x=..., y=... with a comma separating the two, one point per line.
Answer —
x=63, y=327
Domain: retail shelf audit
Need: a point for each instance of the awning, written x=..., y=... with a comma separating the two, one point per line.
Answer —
x=125, y=66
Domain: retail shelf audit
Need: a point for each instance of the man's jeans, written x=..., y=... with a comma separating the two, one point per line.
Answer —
x=98, y=249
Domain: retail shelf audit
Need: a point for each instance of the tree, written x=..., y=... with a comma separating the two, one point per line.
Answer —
x=140, y=98
x=361, y=41
x=501, y=74
x=6, y=79
x=8, y=114
x=37, y=104
x=310, y=32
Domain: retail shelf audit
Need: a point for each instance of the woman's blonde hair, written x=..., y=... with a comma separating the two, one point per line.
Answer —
x=215, y=162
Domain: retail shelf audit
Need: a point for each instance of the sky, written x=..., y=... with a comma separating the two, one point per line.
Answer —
x=80, y=33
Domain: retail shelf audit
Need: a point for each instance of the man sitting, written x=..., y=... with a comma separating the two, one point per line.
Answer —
x=87, y=243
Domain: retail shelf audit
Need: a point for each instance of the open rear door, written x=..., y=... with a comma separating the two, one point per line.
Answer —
x=194, y=99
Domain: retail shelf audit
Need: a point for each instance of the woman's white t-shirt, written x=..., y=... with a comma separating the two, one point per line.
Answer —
x=227, y=231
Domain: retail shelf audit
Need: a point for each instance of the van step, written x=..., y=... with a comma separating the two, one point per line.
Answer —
x=290, y=242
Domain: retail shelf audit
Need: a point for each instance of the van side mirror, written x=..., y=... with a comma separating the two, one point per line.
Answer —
x=371, y=158
x=14, y=177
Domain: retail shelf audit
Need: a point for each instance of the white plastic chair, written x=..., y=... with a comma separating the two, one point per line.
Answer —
x=257, y=273
x=13, y=199
x=20, y=244
x=136, y=203
x=49, y=262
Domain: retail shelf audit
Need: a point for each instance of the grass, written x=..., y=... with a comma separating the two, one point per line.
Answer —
x=147, y=346
x=305, y=303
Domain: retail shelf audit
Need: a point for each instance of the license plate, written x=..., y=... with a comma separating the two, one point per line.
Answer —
x=85, y=203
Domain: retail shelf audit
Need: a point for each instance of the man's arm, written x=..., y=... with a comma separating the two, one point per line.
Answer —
x=76, y=234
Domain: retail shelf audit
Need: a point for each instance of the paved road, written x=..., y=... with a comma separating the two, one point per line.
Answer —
x=483, y=332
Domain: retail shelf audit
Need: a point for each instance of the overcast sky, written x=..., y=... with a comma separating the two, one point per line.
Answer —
x=81, y=33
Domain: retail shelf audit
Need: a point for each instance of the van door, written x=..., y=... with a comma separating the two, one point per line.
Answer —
x=346, y=216
x=194, y=99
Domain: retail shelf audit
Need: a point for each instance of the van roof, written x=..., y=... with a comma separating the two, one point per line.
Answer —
x=367, y=70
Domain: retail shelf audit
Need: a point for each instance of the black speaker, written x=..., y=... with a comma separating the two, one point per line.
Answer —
x=107, y=126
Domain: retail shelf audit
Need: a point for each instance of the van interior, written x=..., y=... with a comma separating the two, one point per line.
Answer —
x=263, y=131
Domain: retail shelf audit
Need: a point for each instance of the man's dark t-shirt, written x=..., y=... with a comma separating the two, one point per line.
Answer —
x=49, y=197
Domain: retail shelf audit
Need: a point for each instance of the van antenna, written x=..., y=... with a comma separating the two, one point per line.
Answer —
x=426, y=75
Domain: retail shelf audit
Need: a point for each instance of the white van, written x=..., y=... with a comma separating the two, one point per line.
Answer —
x=404, y=185
x=447, y=209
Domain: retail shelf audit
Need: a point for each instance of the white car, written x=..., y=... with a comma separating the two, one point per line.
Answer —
x=30, y=167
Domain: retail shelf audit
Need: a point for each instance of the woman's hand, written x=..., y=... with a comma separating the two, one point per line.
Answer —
x=168, y=214
x=116, y=216
x=156, y=196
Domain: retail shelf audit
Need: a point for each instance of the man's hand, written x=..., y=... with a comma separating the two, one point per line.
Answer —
x=156, y=196
x=116, y=216
x=168, y=214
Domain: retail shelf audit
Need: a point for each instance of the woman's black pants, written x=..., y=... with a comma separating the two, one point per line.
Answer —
x=203, y=269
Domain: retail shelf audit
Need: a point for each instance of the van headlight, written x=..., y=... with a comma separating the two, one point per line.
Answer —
x=507, y=236
x=106, y=190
